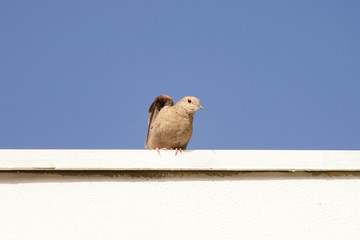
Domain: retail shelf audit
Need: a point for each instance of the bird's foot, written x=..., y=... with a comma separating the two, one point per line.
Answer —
x=176, y=151
x=158, y=149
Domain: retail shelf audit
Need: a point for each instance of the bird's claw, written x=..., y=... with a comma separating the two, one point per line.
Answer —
x=158, y=149
x=176, y=149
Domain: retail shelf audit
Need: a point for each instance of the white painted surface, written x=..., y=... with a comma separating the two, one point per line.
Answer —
x=181, y=205
x=209, y=160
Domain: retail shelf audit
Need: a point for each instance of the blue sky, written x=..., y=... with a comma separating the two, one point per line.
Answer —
x=270, y=74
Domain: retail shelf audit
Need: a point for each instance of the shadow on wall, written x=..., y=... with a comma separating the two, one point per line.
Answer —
x=15, y=177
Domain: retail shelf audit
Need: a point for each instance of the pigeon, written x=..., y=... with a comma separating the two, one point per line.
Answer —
x=169, y=126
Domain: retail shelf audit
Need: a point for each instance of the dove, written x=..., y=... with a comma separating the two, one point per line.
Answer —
x=170, y=126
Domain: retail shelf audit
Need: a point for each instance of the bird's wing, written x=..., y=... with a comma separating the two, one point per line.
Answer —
x=159, y=102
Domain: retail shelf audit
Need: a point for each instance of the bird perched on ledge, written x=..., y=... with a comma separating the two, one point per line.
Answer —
x=170, y=127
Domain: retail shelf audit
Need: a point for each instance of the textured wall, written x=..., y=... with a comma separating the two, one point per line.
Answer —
x=179, y=205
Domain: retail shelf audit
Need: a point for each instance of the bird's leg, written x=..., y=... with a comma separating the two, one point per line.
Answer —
x=157, y=149
x=176, y=150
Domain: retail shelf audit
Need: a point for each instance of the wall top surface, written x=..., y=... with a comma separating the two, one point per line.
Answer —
x=189, y=160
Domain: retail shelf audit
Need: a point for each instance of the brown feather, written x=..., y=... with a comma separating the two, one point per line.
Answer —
x=159, y=102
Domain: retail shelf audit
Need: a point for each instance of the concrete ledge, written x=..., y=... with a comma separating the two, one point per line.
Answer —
x=190, y=160
x=200, y=194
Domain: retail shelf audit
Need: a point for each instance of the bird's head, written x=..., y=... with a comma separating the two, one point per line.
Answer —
x=190, y=104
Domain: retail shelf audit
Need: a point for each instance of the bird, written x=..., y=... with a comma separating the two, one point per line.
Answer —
x=170, y=126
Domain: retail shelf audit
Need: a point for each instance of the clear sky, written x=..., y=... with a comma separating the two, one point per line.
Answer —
x=270, y=74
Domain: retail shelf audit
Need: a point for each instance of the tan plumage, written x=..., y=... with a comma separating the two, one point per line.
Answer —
x=171, y=126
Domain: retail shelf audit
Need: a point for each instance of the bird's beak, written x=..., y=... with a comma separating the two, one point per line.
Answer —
x=201, y=107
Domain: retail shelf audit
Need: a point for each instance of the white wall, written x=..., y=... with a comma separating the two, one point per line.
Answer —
x=178, y=205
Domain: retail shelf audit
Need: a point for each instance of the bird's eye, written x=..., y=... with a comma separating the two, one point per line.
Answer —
x=189, y=100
